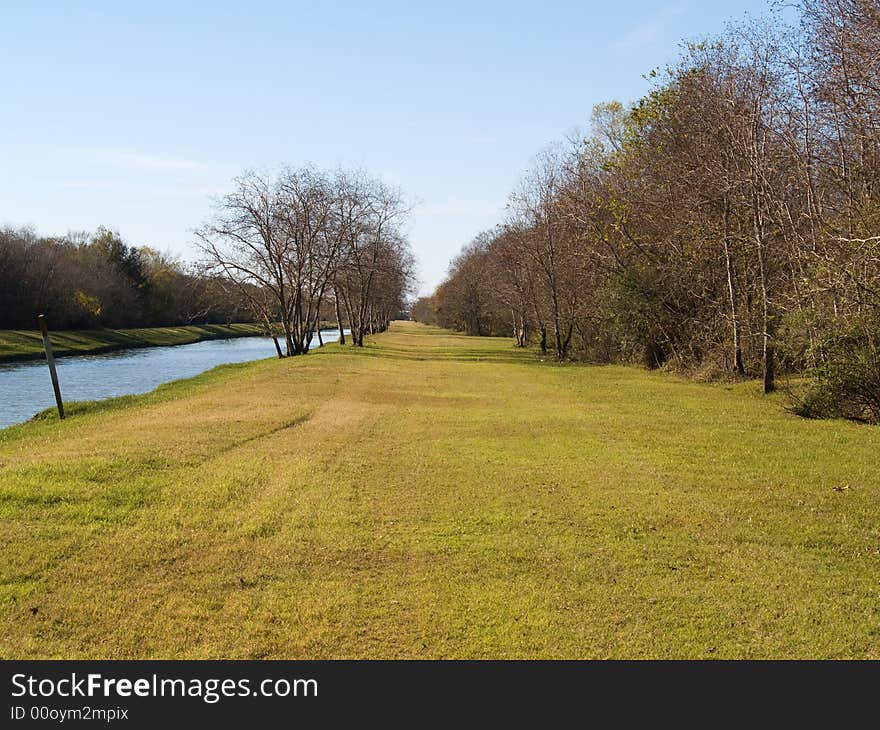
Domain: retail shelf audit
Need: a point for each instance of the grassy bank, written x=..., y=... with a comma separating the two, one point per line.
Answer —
x=436, y=495
x=18, y=345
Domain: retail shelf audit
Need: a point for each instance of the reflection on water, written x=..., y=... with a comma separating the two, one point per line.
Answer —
x=25, y=388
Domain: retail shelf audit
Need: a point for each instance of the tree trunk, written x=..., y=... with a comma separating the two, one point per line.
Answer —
x=738, y=367
x=566, y=342
x=557, y=332
x=339, y=321
x=768, y=364
x=769, y=356
x=519, y=329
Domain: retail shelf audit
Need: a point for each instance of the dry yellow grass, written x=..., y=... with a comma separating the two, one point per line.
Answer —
x=439, y=496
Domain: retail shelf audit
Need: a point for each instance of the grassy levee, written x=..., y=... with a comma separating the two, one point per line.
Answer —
x=21, y=345
x=436, y=495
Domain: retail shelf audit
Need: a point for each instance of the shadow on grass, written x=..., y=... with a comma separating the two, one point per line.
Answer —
x=452, y=354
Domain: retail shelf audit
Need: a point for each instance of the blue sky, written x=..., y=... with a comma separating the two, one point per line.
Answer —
x=131, y=115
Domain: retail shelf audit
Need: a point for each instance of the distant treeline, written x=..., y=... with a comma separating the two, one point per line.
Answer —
x=86, y=281
x=727, y=222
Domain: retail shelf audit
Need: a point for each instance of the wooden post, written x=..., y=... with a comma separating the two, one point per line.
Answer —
x=50, y=359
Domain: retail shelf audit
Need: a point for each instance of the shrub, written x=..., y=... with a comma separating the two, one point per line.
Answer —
x=847, y=383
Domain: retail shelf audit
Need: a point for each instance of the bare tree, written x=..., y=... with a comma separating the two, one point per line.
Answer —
x=247, y=243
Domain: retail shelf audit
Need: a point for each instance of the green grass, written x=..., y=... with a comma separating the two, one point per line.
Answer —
x=16, y=345
x=436, y=495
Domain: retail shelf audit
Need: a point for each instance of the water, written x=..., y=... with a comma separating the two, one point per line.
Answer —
x=25, y=388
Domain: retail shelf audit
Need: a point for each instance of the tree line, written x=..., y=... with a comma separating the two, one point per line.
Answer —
x=93, y=280
x=304, y=240
x=728, y=223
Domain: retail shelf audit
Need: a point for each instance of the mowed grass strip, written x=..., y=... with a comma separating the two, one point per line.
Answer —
x=436, y=495
x=19, y=345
